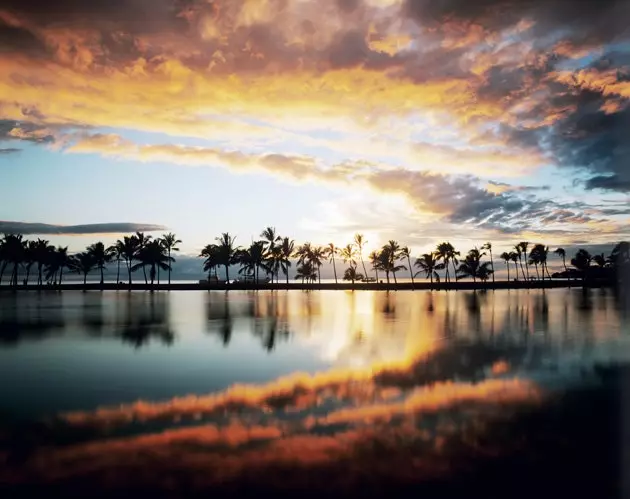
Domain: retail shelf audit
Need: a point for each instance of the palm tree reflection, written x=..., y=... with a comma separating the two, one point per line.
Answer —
x=146, y=319
x=219, y=317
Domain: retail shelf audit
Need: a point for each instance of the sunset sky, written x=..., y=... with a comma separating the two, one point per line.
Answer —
x=416, y=120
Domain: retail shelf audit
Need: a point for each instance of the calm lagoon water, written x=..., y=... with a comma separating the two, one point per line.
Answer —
x=235, y=367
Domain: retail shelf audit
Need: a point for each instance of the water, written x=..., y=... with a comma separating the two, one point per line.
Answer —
x=301, y=363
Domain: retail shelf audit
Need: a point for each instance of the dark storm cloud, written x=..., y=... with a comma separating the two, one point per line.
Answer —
x=9, y=150
x=47, y=229
x=586, y=20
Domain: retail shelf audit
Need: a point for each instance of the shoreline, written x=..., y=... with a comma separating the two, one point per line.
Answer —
x=342, y=286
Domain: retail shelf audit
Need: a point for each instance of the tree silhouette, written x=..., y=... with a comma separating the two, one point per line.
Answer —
x=374, y=262
x=143, y=240
x=446, y=252
x=116, y=252
x=351, y=274
x=82, y=263
x=287, y=249
x=306, y=272
x=226, y=252
x=59, y=260
x=488, y=246
x=429, y=264
x=506, y=257
x=360, y=242
x=331, y=251
x=130, y=248
x=406, y=255
x=471, y=266
x=212, y=259
x=582, y=262
x=100, y=256
x=153, y=255
x=523, y=249
x=563, y=254
x=170, y=242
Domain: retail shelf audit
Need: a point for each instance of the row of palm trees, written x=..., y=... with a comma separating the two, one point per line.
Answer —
x=137, y=251
x=273, y=254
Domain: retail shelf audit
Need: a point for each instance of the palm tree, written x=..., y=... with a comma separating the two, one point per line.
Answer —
x=523, y=247
x=374, y=262
x=563, y=254
x=406, y=254
x=14, y=250
x=360, y=242
x=506, y=257
x=30, y=258
x=41, y=254
x=212, y=260
x=488, y=246
x=392, y=249
x=348, y=254
x=534, y=259
x=582, y=262
x=143, y=240
x=100, y=256
x=287, y=249
x=153, y=254
x=226, y=252
x=429, y=264
x=519, y=254
x=331, y=251
x=541, y=254
x=306, y=271
x=318, y=254
x=130, y=248
x=251, y=259
x=58, y=261
x=446, y=252
x=514, y=256
x=170, y=242
x=351, y=274
x=270, y=236
x=116, y=251
x=3, y=257
x=82, y=263
x=471, y=266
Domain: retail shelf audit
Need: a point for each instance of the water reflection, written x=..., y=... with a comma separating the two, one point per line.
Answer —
x=331, y=381
x=144, y=320
x=35, y=318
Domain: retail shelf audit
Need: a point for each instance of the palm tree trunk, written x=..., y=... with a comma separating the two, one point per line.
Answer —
x=526, y=265
x=15, y=274
x=4, y=266
x=102, y=279
x=448, y=272
x=60, y=274
x=169, y=268
x=520, y=260
x=492, y=265
x=227, y=274
x=334, y=269
x=39, y=271
x=376, y=272
x=28, y=273
x=454, y=270
x=144, y=270
x=537, y=273
x=84, y=279
x=394, y=273
x=387, y=274
x=508, y=269
x=129, y=271
x=410, y=273
x=363, y=264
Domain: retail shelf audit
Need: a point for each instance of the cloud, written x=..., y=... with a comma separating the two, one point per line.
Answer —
x=102, y=228
x=9, y=150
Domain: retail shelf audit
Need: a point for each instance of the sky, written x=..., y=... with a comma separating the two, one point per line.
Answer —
x=414, y=120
